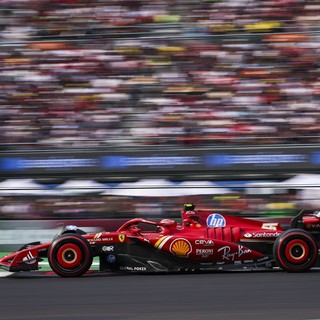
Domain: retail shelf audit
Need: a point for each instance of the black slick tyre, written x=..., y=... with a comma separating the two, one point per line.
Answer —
x=70, y=255
x=295, y=250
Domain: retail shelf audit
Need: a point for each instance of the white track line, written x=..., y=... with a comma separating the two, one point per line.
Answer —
x=4, y=274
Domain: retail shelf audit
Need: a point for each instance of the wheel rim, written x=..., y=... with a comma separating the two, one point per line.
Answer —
x=297, y=251
x=69, y=256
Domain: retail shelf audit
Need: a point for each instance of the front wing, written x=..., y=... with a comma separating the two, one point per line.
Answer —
x=26, y=259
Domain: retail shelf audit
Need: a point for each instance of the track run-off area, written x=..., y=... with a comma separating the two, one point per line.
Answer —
x=113, y=296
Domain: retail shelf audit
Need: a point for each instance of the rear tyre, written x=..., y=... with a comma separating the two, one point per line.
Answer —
x=70, y=255
x=295, y=250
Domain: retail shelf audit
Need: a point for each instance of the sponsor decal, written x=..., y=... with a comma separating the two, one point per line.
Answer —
x=205, y=242
x=263, y=259
x=119, y=161
x=229, y=255
x=107, y=239
x=111, y=258
x=248, y=261
x=122, y=237
x=107, y=248
x=206, y=263
x=129, y=268
x=162, y=241
x=47, y=163
x=181, y=247
x=96, y=238
x=313, y=225
x=254, y=159
x=204, y=252
x=71, y=227
x=216, y=220
x=270, y=226
x=29, y=258
x=258, y=235
x=190, y=212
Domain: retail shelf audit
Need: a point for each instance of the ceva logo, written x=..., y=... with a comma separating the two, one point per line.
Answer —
x=216, y=220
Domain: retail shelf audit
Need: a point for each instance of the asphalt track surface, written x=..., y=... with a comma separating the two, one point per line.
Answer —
x=231, y=295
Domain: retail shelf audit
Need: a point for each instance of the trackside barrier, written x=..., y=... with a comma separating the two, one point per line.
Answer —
x=142, y=162
x=15, y=233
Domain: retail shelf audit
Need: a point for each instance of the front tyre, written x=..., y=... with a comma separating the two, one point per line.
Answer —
x=70, y=255
x=295, y=250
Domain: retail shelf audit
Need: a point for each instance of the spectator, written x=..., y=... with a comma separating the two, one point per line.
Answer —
x=104, y=73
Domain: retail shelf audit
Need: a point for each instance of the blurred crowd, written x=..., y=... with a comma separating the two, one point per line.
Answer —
x=80, y=73
x=110, y=207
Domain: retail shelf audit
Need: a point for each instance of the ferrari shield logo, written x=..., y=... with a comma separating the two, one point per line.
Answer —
x=121, y=237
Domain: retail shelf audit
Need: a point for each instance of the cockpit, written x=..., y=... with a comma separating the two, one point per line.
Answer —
x=190, y=217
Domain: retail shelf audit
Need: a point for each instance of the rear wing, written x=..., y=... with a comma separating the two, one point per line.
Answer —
x=298, y=221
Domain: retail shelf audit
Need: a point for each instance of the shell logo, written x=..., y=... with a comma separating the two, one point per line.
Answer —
x=181, y=247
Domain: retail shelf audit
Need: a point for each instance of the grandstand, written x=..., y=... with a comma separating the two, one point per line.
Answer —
x=103, y=89
x=162, y=73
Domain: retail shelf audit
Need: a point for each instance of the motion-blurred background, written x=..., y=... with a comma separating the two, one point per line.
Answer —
x=115, y=109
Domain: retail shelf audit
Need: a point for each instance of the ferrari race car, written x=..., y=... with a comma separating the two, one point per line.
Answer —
x=201, y=241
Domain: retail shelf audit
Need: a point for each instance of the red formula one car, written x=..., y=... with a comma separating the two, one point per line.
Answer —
x=203, y=241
